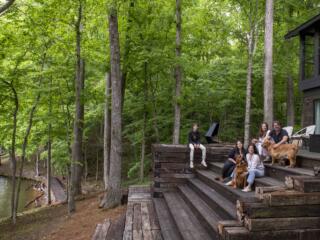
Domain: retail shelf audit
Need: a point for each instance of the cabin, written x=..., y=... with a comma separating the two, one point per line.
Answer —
x=309, y=80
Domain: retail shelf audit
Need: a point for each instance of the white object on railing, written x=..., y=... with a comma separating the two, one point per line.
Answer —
x=289, y=130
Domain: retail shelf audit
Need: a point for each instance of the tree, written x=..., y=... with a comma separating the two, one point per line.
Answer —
x=107, y=132
x=251, y=42
x=77, y=155
x=113, y=194
x=268, y=50
x=6, y=6
x=178, y=76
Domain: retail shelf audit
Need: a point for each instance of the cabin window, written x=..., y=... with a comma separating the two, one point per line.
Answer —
x=309, y=57
x=317, y=115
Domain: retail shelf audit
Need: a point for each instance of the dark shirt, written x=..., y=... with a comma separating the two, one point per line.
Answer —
x=194, y=137
x=278, y=137
x=235, y=151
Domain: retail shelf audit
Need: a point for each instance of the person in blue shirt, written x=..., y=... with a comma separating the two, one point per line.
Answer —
x=194, y=143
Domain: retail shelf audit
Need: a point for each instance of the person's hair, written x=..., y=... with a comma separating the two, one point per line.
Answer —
x=261, y=132
x=255, y=151
x=276, y=122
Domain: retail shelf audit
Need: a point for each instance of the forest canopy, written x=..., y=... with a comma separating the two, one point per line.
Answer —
x=38, y=58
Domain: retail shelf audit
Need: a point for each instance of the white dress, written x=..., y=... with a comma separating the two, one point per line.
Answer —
x=261, y=150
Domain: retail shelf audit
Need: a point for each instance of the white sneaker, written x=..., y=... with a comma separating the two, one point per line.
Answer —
x=204, y=163
x=247, y=189
x=229, y=183
x=191, y=165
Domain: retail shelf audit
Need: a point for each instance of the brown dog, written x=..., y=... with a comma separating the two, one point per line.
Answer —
x=288, y=151
x=241, y=169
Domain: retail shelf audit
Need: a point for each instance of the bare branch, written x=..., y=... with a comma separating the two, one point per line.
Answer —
x=6, y=6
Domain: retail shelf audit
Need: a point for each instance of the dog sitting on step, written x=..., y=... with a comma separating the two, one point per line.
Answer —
x=241, y=171
x=287, y=151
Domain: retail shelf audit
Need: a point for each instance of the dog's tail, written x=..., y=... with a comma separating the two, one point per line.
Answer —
x=296, y=145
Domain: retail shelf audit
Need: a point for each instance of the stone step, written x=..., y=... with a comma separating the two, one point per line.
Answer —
x=259, y=182
x=209, y=177
x=168, y=227
x=224, y=207
x=207, y=216
x=188, y=224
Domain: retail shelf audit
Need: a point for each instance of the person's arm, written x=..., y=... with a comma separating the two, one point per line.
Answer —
x=255, y=161
x=231, y=156
x=190, y=138
x=283, y=140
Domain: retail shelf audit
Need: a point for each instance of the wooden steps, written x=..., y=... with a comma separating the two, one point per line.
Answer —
x=209, y=177
x=208, y=217
x=168, y=227
x=280, y=172
x=308, y=159
x=188, y=224
x=224, y=207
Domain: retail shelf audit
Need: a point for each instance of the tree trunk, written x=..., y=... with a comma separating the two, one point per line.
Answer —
x=107, y=132
x=154, y=112
x=268, y=50
x=77, y=156
x=37, y=164
x=13, y=154
x=178, y=76
x=251, y=49
x=143, y=142
x=25, y=144
x=6, y=6
x=290, y=101
x=113, y=194
x=49, y=148
x=97, y=165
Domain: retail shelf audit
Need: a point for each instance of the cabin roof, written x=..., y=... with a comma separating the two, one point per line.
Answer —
x=304, y=27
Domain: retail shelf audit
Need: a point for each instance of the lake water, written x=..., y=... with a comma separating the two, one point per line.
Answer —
x=26, y=194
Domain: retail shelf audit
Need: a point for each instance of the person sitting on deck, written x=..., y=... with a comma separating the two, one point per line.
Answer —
x=194, y=143
x=230, y=163
x=278, y=134
x=263, y=134
x=255, y=167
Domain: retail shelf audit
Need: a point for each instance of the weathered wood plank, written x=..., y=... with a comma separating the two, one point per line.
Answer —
x=128, y=229
x=137, y=222
x=271, y=224
x=292, y=198
x=235, y=233
x=96, y=234
x=146, y=226
x=262, y=210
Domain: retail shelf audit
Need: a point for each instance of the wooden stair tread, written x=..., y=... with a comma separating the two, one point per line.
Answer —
x=213, y=195
x=212, y=177
x=309, y=155
x=294, y=171
x=168, y=227
x=189, y=226
x=201, y=207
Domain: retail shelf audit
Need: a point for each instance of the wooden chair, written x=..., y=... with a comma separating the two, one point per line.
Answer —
x=303, y=135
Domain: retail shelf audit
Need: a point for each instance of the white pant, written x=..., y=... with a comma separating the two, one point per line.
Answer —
x=203, y=150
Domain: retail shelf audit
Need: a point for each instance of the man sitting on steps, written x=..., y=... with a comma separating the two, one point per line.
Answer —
x=194, y=143
x=278, y=135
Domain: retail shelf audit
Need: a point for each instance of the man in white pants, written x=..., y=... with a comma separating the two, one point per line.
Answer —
x=194, y=142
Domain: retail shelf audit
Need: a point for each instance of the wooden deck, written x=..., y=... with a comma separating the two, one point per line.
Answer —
x=186, y=204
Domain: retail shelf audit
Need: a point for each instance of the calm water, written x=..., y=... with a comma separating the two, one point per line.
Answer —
x=5, y=195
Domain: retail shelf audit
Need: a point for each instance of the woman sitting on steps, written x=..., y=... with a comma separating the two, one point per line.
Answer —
x=255, y=167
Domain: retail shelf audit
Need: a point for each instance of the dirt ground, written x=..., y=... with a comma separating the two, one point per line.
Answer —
x=54, y=223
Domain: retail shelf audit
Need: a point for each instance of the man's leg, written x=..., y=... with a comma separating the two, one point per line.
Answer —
x=191, y=154
x=203, y=150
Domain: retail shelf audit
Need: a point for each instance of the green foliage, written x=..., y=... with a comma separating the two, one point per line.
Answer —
x=37, y=41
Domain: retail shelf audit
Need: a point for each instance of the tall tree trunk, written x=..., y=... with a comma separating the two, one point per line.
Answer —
x=49, y=147
x=77, y=156
x=154, y=112
x=13, y=154
x=113, y=194
x=25, y=143
x=247, y=121
x=290, y=101
x=143, y=142
x=6, y=6
x=178, y=76
x=268, y=50
x=251, y=49
x=107, y=132
x=37, y=164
